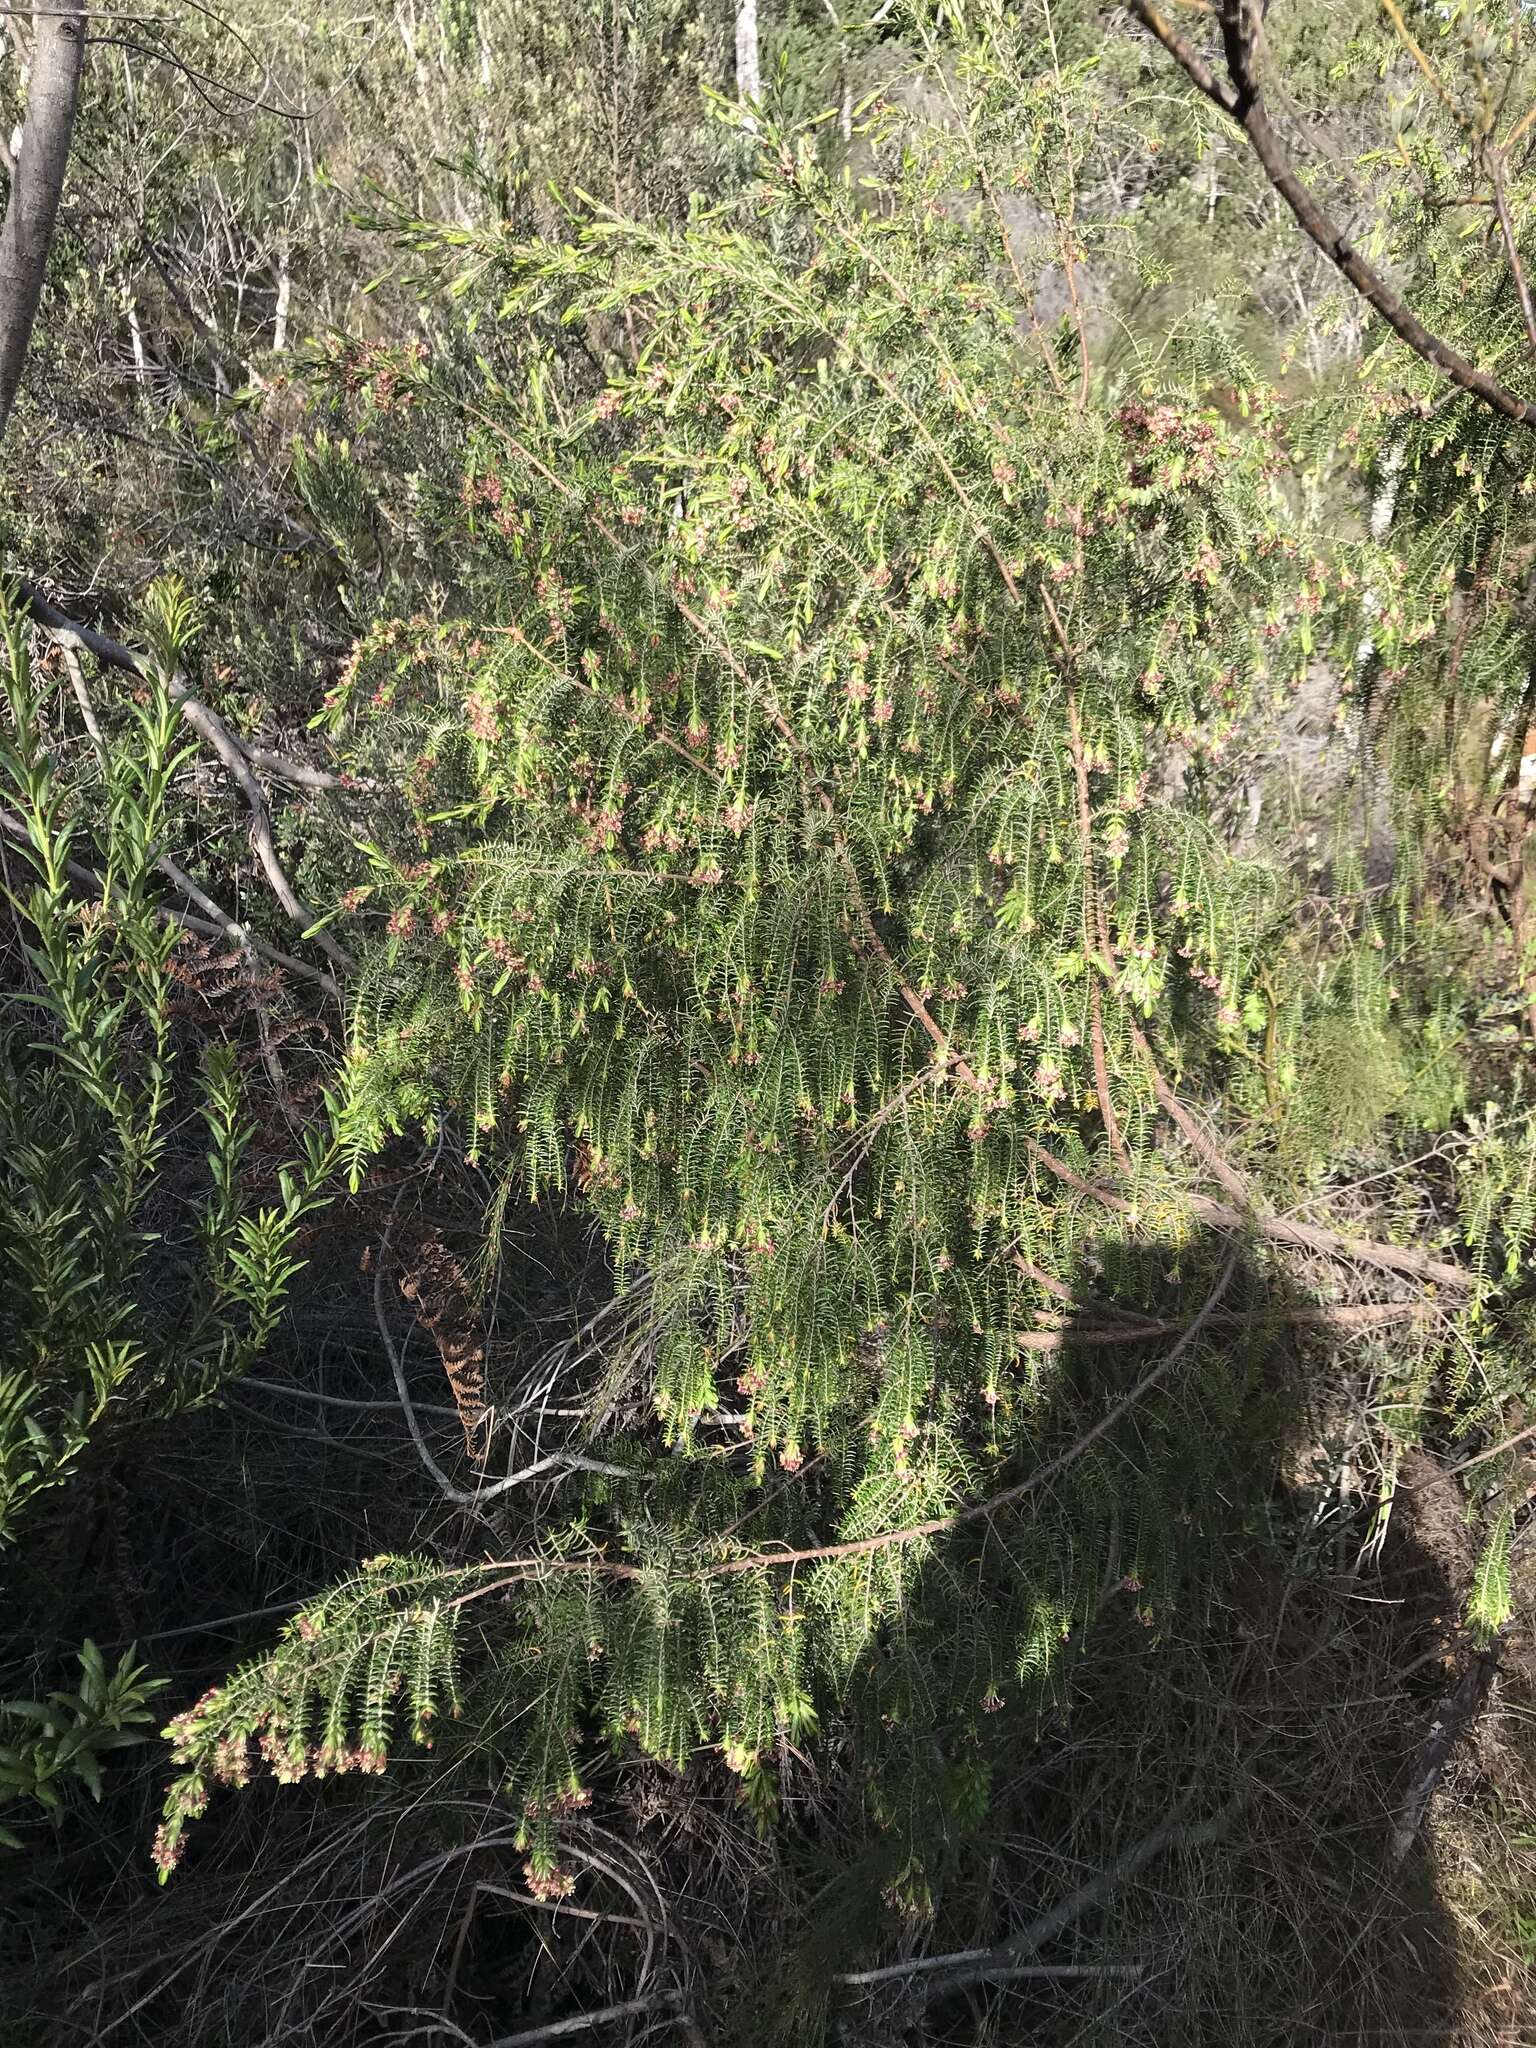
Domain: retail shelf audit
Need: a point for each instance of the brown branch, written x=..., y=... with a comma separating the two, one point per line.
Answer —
x=1510, y=1443
x=1511, y=245
x=1240, y=97
x=1334, y=1244
x=1205, y=1150
x=1173, y=1833
x=1059, y=1289
x=71, y=633
x=1358, y=1316
x=1095, y=924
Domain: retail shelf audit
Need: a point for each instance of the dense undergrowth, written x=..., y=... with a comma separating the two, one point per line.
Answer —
x=766, y=1178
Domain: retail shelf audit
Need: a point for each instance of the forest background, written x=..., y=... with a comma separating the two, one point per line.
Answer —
x=766, y=1175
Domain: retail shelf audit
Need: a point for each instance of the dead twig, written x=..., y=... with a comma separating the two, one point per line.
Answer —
x=1358, y=1316
x=1012, y=1958
x=659, y=2001
x=217, y=926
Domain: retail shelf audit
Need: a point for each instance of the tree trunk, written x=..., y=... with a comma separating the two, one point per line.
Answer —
x=749, y=83
x=52, y=93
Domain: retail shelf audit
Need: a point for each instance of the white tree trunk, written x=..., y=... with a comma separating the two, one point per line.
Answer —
x=284, y=298
x=135, y=333
x=749, y=81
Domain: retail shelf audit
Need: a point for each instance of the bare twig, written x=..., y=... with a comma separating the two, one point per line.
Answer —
x=207, y=724
x=1521, y=1436
x=504, y=1891
x=918, y=1964
x=1095, y=928
x=1174, y=1833
x=68, y=632
x=293, y=1393
x=1334, y=1244
x=1360, y=1316
x=555, y=1465
x=558, y=2029
x=1511, y=245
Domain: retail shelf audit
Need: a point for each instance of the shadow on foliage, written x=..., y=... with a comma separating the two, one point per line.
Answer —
x=1190, y=1842
x=1188, y=1832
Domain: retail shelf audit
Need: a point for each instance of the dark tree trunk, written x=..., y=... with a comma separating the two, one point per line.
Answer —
x=58, y=52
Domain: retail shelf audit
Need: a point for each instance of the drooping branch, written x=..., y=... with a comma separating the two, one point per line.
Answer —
x=518, y=1570
x=37, y=185
x=1240, y=96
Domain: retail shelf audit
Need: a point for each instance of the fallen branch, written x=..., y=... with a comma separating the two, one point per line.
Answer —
x=208, y=725
x=68, y=632
x=1011, y=1958
x=974, y=1955
x=631, y=2008
x=218, y=925
x=1334, y=1244
x=1361, y=1316
x=1454, y=1715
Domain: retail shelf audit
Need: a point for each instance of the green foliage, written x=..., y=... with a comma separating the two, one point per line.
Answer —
x=48, y=1742
x=1490, y=1607
x=104, y=1314
x=802, y=644
x=773, y=849
x=377, y=1650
